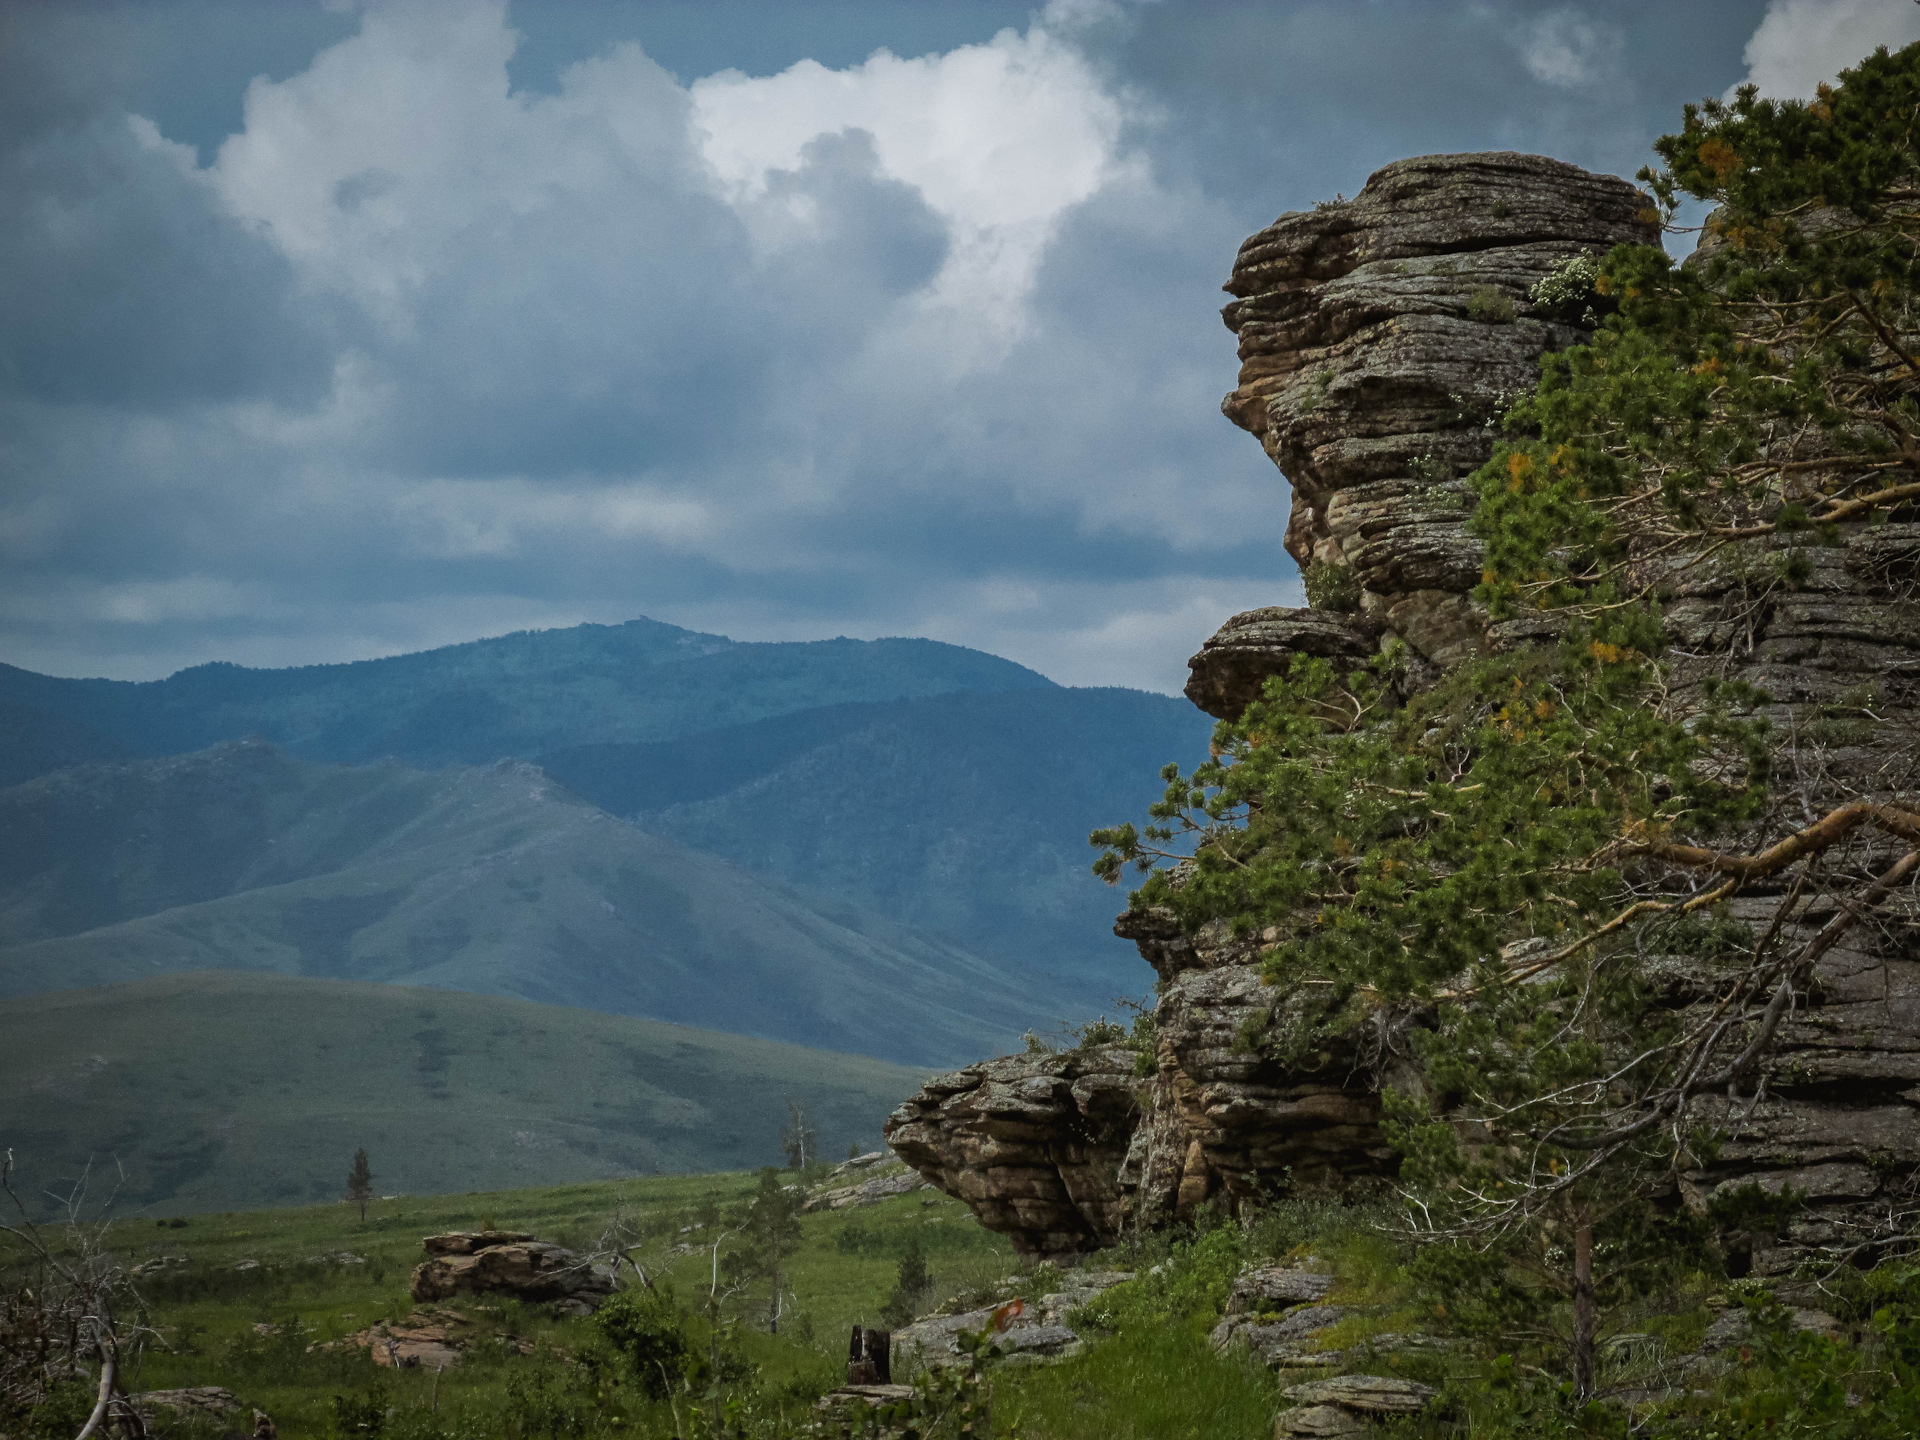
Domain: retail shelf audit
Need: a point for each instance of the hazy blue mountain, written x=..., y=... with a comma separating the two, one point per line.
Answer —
x=34, y=741
x=965, y=815
x=513, y=695
x=226, y=1091
x=946, y=790
x=493, y=880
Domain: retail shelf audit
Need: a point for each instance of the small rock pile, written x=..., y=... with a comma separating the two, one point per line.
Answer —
x=1276, y=1312
x=1026, y=1331
x=896, y=1179
x=200, y=1405
x=433, y=1337
x=510, y=1262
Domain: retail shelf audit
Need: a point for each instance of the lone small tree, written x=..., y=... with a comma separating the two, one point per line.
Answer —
x=800, y=1142
x=769, y=1229
x=910, y=1288
x=360, y=1182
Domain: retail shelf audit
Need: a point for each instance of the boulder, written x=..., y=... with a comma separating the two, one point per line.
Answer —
x=867, y=1192
x=433, y=1337
x=1317, y=1422
x=471, y=1242
x=510, y=1263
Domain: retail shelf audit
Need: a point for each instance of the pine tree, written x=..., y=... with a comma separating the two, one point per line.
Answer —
x=1486, y=873
x=911, y=1284
x=360, y=1182
x=769, y=1231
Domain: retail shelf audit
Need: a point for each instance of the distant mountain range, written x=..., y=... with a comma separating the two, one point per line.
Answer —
x=906, y=822
x=514, y=696
x=228, y=1091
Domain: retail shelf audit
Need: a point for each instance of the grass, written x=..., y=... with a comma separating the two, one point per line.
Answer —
x=205, y=1313
x=1156, y=1382
x=214, y=1091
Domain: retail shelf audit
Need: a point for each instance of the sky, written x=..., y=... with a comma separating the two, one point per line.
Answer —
x=335, y=331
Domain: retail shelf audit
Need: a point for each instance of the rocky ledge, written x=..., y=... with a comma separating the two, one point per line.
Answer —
x=1378, y=336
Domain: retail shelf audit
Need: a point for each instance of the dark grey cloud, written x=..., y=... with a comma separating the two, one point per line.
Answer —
x=453, y=338
x=120, y=281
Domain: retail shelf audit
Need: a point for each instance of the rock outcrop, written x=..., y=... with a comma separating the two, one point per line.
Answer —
x=1033, y=1143
x=513, y=1263
x=1378, y=339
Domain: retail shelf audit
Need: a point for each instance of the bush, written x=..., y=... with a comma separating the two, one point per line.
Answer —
x=649, y=1332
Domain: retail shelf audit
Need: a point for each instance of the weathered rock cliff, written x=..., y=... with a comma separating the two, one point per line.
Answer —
x=1378, y=336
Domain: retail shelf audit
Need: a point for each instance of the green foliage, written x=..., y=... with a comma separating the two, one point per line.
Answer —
x=646, y=1328
x=910, y=1288
x=1331, y=587
x=1491, y=306
x=1568, y=293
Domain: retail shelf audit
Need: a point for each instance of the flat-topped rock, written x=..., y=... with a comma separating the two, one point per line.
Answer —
x=524, y=1268
x=470, y=1242
x=1227, y=674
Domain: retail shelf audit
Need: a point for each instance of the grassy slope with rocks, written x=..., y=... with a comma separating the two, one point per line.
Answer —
x=493, y=880
x=1146, y=1372
x=207, y=1312
x=215, y=1091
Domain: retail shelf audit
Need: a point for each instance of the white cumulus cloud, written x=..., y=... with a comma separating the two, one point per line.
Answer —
x=1803, y=43
x=1000, y=139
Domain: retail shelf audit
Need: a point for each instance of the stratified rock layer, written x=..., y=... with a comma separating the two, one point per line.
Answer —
x=1377, y=338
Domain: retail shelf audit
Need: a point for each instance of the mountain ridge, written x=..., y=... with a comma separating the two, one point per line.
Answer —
x=513, y=695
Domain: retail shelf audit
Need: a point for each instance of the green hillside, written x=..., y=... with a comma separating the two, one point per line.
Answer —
x=492, y=880
x=215, y=1091
x=513, y=695
x=965, y=815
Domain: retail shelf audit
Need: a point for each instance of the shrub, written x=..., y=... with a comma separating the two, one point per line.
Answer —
x=1491, y=306
x=649, y=1332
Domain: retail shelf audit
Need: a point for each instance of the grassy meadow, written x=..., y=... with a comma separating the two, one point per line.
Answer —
x=255, y=1330
x=219, y=1090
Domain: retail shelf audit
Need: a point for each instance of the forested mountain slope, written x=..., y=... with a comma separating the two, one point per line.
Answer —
x=493, y=880
x=962, y=814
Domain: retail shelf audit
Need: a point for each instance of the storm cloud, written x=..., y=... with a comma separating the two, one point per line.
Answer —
x=426, y=347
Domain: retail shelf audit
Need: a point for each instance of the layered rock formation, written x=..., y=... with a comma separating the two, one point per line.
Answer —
x=1378, y=337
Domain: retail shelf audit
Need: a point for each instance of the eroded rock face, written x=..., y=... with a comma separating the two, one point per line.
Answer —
x=1380, y=334
x=1377, y=337
x=1033, y=1143
x=1062, y=1151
